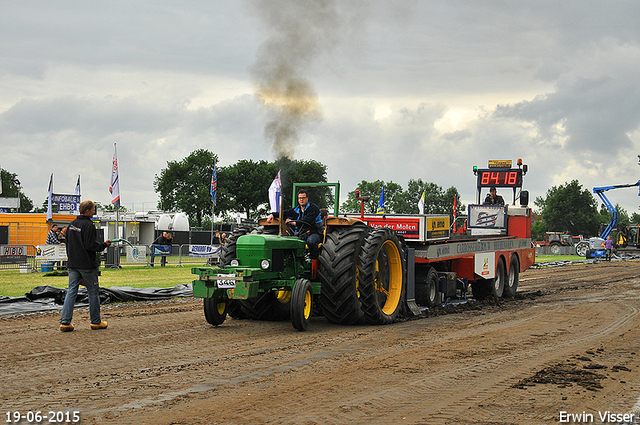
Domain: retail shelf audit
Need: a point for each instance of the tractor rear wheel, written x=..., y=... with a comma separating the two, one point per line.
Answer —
x=301, y=304
x=554, y=248
x=511, y=284
x=265, y=306
x=228, y=253
x=382, y=277
x=215, y=309
x=339, y=297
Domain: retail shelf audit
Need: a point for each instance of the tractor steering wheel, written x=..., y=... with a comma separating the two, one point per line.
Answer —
x=303, y=226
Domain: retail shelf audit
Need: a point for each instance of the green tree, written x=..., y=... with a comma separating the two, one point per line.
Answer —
x=11, y=188
x=185, y=185
x=244, y=186
x=373, y=190
x=437, y=201
x=570, y=208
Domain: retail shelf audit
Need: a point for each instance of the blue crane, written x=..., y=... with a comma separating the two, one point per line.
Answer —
x=595, y=244
x=614, y=220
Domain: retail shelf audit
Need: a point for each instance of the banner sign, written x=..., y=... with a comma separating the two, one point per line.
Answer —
x=9, y=202
x=13, y=254
x=465, y=248
x=66, y=202
x=487, y=216
x=51, y=253
x=136, y=254
x=204, y=251
x=409, y=228
x=160, y=250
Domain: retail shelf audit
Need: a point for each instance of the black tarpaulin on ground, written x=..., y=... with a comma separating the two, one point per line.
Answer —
x=47, y=297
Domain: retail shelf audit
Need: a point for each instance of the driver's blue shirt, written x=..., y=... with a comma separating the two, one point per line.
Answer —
x=310, y=215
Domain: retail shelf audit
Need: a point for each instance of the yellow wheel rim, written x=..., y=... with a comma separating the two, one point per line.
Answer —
x=394, y=290
x=283, y=296
x=307, y=304
x=221, y=307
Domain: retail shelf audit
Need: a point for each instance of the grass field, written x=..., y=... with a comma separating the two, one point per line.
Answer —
x=16, y=284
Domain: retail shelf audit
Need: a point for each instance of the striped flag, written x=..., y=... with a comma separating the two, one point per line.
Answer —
x=421, y=203
x=50, y=194
x=381, y=209
x=214, y=185
x=454, y=213
x=76, y=211
x=274, y=193
x=114, y=187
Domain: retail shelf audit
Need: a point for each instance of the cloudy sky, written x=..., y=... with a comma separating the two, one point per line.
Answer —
x=388, y=90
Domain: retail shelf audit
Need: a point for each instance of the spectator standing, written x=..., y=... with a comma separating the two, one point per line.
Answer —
x=52, y=236
x=608, y=246
x=82, y=248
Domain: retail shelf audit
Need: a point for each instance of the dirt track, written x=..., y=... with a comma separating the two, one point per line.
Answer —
x=568, y=343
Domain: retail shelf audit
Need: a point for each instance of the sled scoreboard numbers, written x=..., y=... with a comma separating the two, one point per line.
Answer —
x=500, y=178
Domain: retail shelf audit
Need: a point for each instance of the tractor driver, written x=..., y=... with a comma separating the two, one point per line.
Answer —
x=493, y=198
x=309, y=213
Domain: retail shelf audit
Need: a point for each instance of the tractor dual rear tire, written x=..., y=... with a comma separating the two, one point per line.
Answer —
x=382, y=277
x=339, y=297
x=228, y=253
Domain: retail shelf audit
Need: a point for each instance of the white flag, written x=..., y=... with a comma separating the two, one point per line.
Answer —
x=50, y=193
x=421, y=203
x=76, y=211
x=274, y=194
x=114, y=187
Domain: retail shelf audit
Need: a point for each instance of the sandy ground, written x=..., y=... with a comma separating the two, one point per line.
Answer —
x=568, y=344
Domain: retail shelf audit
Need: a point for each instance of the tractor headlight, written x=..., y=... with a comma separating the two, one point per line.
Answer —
x=234, y=263
x=265, y=264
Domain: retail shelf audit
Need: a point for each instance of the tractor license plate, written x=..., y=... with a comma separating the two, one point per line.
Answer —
x=226, y=283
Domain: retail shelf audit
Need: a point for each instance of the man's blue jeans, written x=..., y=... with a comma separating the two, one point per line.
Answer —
x=312, y=240
x=90, y=277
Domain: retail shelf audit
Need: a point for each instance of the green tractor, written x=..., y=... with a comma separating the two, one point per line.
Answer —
x=358, y=278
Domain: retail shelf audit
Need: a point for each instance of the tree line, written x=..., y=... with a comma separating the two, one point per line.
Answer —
x=573, y=209
x=243, y=187
x=183, y=186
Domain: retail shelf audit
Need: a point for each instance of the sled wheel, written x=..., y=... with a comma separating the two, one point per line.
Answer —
x=427, y=294
x=511, y=285
x=497, y=288
x=301, y=304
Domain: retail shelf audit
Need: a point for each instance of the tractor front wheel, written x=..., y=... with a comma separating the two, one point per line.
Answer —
x=215, y=309
x=301, y=303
